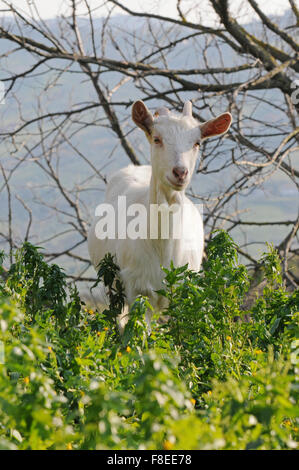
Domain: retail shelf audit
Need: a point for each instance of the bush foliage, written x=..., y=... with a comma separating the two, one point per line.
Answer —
x=201, y=380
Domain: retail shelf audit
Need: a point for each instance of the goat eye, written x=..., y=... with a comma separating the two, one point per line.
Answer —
x=196, y=145
x=157, y=140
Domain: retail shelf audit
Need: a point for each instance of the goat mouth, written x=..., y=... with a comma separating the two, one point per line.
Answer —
x=176, y=185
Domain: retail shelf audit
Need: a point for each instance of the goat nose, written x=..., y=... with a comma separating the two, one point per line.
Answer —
x=180, y=172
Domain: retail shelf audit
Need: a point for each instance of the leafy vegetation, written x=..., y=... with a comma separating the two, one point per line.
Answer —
x=204, y=379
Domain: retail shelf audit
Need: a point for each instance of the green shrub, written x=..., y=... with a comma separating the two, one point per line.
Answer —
x=202, y=380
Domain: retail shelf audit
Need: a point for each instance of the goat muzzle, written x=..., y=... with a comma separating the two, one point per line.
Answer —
x=180, y=173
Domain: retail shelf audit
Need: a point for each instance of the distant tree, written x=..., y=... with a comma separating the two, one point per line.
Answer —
x=249, y=70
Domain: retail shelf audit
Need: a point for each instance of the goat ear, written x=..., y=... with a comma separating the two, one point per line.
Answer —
x=142, y=116
x=216, y=126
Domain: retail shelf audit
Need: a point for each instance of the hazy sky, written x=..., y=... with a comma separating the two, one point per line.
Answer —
x=52, y=8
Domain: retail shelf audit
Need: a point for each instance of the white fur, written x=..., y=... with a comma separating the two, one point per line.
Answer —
x=140, y=260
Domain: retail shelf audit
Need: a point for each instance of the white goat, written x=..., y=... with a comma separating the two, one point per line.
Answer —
x=174, y=141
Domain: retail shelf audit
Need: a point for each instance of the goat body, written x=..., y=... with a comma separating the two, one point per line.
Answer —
x=174, y=146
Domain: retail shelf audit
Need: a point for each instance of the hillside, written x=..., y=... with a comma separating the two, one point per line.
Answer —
x=275, y=199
